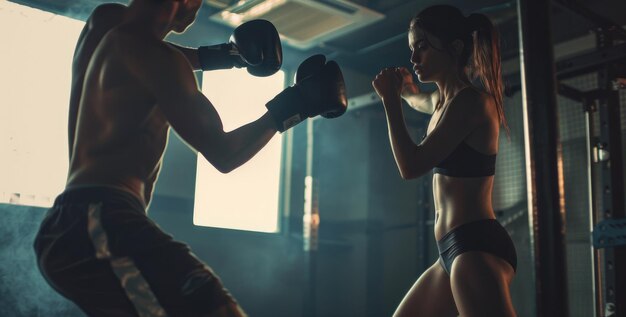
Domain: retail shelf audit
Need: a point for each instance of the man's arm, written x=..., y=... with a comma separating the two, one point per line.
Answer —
x=166, y=73
x=254, y=45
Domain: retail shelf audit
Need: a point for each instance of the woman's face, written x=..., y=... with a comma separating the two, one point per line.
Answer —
x=431, y=62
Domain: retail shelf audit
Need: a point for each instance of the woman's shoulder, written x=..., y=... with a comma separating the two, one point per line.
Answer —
x=472, y=98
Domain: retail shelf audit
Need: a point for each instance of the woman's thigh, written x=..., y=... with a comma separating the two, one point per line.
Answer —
x=480, y=285
x=431, y=295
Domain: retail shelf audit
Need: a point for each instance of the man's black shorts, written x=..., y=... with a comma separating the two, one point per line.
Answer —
x=97, y=247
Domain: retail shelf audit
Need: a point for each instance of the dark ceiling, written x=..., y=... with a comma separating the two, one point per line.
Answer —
x=384, y=43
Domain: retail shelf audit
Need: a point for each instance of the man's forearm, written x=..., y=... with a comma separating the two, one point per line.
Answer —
x=245, y=142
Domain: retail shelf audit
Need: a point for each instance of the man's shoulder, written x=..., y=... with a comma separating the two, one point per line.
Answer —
x=109, y=9
x=129, y=41
x=138, y=52
x=108, y=13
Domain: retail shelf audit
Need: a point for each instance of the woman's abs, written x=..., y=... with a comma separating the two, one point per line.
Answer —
x=460, y=200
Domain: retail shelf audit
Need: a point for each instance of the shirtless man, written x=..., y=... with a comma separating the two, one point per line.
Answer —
x=96, y=246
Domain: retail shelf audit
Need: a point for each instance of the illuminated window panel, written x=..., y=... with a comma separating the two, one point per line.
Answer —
x=35, y=74
x=246, y=198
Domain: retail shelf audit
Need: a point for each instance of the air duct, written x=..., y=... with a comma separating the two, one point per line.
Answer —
x=302, y=24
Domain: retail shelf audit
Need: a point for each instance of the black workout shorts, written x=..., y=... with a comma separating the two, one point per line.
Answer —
x=485, y=235
x=97, y=247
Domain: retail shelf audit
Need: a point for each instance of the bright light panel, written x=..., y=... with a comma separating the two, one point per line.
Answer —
x=35, y=73
x=246, y=198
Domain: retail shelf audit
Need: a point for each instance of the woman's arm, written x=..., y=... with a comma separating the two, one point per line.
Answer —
x=421, y=101
x=467, y=111
x=388, y=85
x=405, y=151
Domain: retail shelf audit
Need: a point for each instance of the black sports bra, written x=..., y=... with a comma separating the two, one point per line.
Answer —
x=465, y=161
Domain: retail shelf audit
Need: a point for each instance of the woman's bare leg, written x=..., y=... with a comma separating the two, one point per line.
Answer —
x=430, y=296
x=480, y=285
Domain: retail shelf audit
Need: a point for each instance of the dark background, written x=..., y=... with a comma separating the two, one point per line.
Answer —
x=376, y=235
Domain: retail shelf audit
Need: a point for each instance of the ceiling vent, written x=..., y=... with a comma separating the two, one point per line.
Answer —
x=302, y=23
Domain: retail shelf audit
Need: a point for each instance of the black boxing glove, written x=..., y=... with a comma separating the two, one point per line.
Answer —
x=310, y=67
x=254, y=45
x=319, y=90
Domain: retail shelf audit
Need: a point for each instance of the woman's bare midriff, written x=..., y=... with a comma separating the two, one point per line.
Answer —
x=460, y=200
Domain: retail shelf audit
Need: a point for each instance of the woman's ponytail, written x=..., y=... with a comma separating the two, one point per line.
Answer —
x=486, y=63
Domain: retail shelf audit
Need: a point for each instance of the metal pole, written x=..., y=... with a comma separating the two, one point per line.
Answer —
x=544, y=165
x=596, y=267
x=310, y=226
x=609, y=156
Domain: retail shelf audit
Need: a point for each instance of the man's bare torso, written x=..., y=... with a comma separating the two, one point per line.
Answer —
x=120, y=134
